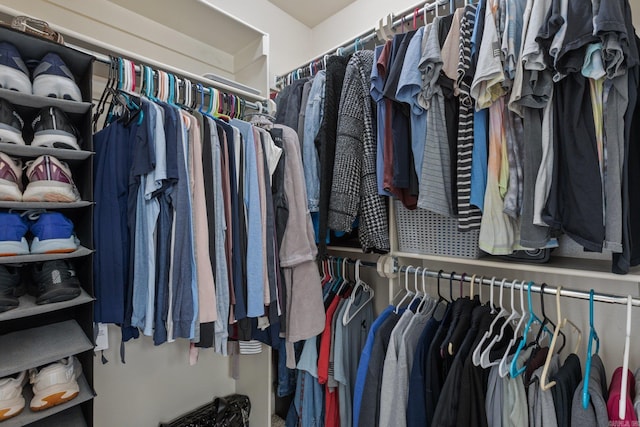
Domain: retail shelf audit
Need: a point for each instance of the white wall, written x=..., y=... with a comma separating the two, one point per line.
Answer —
x=290, y=40
x=357, y=18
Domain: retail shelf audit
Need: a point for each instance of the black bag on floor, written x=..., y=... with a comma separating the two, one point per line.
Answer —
x=230, y=411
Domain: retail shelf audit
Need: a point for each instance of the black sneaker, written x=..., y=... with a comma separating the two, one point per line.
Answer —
x=53, y=129
x=53, y=281
x=11, y=124
x=11, y=287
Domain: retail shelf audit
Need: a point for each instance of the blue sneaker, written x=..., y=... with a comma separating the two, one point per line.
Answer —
x=13, y=229
x=54, y=79
x=14, y=74
x=52, y=234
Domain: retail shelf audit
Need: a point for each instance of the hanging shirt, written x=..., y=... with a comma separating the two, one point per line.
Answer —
x=489, y=73
x=312, y=121
x=435, y=185
x=363, y=363
x=409, y=90
x=254, y=257
x=498, y=230
x=541, y=408
x=595, y=414
x=615, y=394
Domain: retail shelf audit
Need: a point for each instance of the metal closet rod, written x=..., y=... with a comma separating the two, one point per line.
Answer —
x=551, y=290
x=367, y=36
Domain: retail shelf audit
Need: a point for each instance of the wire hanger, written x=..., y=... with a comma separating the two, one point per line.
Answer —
x=593, y=336
x=622, y=403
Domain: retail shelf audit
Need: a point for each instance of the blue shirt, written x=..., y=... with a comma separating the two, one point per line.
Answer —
x=255, y=276
x=479, y=158
x=364, y=363
x=409, y=87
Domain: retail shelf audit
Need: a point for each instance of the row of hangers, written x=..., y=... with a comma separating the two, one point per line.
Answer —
x=335, y=274
x=157, y=85
x=385, y=30
x=526, y=317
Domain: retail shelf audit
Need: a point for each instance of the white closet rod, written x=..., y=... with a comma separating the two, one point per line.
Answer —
x=565, y=292
x=180, y=73
x=229, y=86
x=367, y=36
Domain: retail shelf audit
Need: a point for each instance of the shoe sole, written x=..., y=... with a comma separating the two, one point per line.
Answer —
x=58, y=295
x=9, y=135
x=54, y=140
x=11, y=408
x=11, y=248
x=9, y=191
x=13, y=79
x=54, y=395
x=50, y=85
x=54, y=246
x=50, y=191
x=6, y=304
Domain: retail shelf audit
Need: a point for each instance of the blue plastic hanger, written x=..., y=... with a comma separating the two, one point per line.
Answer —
x=514, y=371
x=593, y=336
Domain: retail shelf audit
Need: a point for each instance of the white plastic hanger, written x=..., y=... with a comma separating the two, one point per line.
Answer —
x=424, y=305
x=622, y=403
x=544, y=385
x=475, y=356
x=346, y=318
x=503, y=368
x=485, y=360
x=417, y=294
x=406, y=288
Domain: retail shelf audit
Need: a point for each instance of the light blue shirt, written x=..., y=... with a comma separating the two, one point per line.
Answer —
x=409, y=87
x=312, y=120
x=255, y=276
x=363, y=365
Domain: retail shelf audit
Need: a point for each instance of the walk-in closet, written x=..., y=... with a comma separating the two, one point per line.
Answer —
x=349, y=213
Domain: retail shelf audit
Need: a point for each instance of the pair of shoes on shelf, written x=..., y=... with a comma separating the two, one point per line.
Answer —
x=52, y=385
x=49, y=179
x=51, y=78
x=51, y=128
x=52, y=233
x=49, y=282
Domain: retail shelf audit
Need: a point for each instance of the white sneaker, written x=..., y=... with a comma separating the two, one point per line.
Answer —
x=11, y=399
x=10, y=178
x=50, y=180
x=55, y=384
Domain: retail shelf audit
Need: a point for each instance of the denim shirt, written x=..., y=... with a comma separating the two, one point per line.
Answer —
x=255, y=276
x=313, y=118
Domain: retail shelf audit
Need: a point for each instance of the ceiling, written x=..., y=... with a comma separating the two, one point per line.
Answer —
x=311, y=12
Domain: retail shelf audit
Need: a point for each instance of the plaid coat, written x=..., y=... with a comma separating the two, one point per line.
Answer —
x=354, y=191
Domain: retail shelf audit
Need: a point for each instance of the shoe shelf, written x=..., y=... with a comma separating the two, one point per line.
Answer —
x=29, y=151
x=44, y=205
x=19, y=259
x=28, y=306
x=35, y=101
x=30, y=348
x=67, y=414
